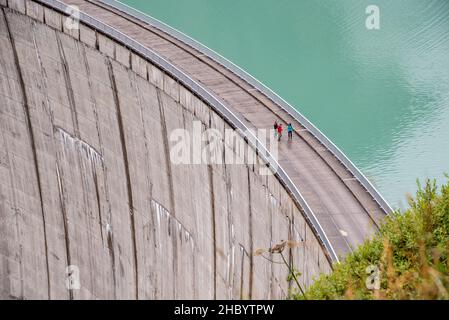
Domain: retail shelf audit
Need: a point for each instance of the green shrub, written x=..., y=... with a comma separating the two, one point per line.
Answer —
x=410, y=251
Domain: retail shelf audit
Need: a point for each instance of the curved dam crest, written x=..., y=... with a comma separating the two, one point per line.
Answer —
x=87, y=181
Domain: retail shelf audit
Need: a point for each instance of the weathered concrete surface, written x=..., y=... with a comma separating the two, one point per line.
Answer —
x=86, y=180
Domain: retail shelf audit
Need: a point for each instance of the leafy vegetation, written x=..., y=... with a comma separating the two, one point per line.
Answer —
x=408, y=257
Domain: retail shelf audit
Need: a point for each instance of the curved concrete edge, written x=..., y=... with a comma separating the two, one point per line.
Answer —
x=202, y=93
x=270, y=94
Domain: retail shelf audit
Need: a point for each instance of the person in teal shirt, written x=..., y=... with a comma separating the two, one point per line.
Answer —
x=290, y=131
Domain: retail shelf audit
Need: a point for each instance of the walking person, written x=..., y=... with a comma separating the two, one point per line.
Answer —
x=275, y=129
x=280, y=129
x=290, y=131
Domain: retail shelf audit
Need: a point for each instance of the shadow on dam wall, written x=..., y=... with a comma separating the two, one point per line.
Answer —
x=86, y=180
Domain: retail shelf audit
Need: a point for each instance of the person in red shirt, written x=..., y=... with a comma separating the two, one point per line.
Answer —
x=280, y=128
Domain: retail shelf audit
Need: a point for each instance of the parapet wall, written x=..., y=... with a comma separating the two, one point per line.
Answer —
x=86, y=180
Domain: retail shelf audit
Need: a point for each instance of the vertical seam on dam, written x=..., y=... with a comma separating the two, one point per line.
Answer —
x=65, y=222
x=74, y=117
x=290, y=253
x=170, y=182
x=250, y=236
x=128, y=176
x=271, y=213
x=11, y=178
x=59, y=168
x=57, y=164
x=212, y=200
x=242, y=271
x=32, y=142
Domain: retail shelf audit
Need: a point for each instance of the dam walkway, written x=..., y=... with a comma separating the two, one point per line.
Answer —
x=346, y=206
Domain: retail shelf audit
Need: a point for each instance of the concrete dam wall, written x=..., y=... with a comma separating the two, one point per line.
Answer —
x=86, y=180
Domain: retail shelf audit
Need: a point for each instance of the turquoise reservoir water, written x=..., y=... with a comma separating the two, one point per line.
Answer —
x=381, y=95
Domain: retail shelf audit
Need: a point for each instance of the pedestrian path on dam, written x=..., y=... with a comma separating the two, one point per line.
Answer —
x=346, y=211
